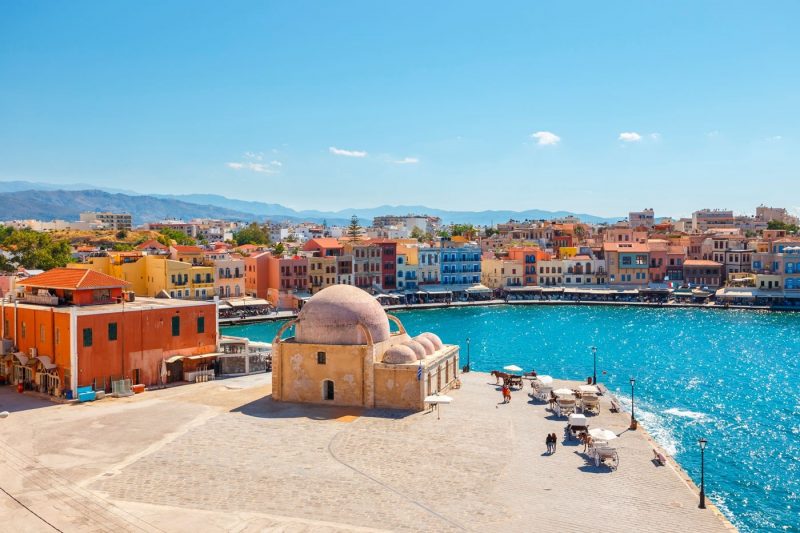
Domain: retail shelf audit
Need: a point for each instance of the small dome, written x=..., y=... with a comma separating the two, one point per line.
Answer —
x=426, y=343
x=399, y=354
x=333, y=315
x=435, y=340
x=419, y=350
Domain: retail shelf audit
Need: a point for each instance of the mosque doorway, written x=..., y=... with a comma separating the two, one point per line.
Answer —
x=327, y=390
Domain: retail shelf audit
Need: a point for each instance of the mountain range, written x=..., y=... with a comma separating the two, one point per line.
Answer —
x=45, y=201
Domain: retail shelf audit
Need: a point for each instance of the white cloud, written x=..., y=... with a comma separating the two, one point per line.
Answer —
x=629, y=137
x=254, y=166
x=347, y=153
x=406, y=161
x=546, y=138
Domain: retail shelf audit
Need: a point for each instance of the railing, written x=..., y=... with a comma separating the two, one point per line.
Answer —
x=40, y=299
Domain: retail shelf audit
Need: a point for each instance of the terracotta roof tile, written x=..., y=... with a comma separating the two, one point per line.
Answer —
x=152, y=243
x=72, y=279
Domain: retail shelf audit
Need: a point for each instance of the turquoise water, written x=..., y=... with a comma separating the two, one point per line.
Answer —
x=730, y=376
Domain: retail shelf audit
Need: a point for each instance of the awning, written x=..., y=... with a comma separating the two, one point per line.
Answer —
x=791, y=295
x=530, y=288
x=46, y=363
x=175, y=358
x=737, y=293
x=204, y=356
x=302, y=296
x=477, y=289
x=552, y=289
x=246, y=302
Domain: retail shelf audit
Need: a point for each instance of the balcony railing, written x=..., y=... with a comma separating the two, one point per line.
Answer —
x=39, y=299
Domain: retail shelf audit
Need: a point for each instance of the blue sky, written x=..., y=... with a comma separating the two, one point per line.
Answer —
x=670, y=105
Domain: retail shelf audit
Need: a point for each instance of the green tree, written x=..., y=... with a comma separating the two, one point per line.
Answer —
x=32, y=249
x=777, y=224
x=122, y=247
x=122, y=234
x=443, y=233
x=464, y=230
x=252, y=234
x=417, y=233
x=354, y=230
x=489, y=231
x=278, y=250
x=169, y=235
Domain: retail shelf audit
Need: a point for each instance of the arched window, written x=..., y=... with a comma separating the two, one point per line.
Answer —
x=327, y=390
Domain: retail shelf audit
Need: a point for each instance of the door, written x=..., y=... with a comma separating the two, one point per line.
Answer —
x=327, y=390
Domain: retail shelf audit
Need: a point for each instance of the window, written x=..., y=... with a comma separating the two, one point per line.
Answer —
x=41, y=332
x=201, y=324
x=24, y=329
x=112, y=331
x=320, y=358
x=626, y=260
x=58, y=336
x=87, y=337
x=176, y=326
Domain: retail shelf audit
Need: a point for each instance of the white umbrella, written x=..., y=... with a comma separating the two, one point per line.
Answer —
x=4, y=414
x=436, y=399
x=602, y=434
x=590, y=389
x=512, y=368
x=545, y=379
x=562, y=391
x=577, y=420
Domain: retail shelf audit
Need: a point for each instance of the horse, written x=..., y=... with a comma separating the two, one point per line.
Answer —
x=498, y=376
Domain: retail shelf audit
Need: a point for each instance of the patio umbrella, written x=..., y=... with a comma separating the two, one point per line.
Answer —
x=577, y=420
x=436, y=399
x=512, y=368
x=590, y=389
x=563, y=391
x=602, y=434
x=546, y=380
x=4, y=414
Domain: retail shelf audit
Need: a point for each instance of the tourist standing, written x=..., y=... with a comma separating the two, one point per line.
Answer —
x=506, y=393
x=554, y=441
x=549, y=442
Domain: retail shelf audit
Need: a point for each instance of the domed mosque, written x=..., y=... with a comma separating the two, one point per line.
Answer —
x=345, y=352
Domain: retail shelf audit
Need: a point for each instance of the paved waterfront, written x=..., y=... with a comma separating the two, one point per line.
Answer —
x=221, y=456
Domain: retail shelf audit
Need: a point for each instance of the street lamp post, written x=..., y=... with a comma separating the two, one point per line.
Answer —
x=594, y=373
x=702, y=442
x=633, y=414
x=468, y=354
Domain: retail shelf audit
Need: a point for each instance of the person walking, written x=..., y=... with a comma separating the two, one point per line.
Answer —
x=554, y=441
x=506, y=393
x=549, y=442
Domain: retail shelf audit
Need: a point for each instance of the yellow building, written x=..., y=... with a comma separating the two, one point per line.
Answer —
x=322, y=272
x=343, y=352
x=151, y=274
x=499, y=273
x=565, y=252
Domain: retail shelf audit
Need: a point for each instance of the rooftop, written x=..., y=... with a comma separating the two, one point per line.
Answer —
x=73, y=279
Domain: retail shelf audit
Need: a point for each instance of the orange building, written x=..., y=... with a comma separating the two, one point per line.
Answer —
x=74, y=328
x=529, y=256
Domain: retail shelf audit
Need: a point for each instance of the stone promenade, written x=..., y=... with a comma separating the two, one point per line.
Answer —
x=221, y=456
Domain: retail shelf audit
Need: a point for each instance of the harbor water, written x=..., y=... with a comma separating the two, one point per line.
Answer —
x=730, y=376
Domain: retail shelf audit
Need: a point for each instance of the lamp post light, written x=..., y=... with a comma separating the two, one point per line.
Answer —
x=594, y=372
x=468, y=354
x=702, y=442
x=633, y=414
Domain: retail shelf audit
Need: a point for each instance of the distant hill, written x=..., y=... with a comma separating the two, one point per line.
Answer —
x=68, y=205
x=48, y=201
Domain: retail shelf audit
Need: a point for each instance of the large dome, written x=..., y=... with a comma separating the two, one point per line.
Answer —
x=333, y=314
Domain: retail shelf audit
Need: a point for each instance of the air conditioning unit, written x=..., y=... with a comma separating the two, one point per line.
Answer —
x=32, y=352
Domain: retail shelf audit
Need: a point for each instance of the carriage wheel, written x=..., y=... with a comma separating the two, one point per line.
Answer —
x=615, y=460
